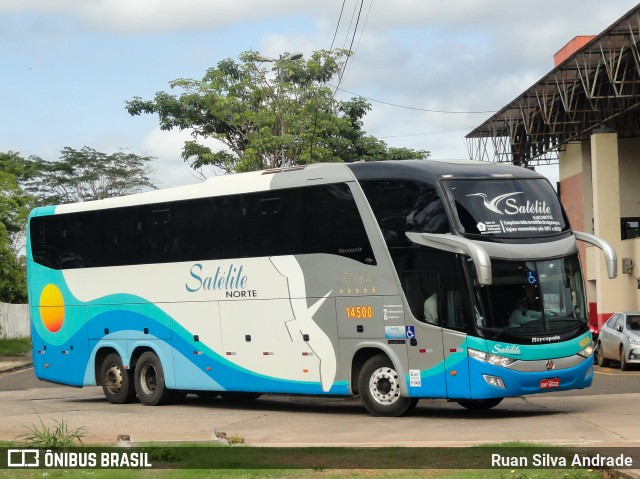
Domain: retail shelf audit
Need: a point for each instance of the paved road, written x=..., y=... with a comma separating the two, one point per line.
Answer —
x=605, y=415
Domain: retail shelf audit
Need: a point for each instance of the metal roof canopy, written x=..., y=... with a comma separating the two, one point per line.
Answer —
x=597, y=86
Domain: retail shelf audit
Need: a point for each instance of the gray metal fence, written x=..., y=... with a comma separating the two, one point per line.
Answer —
x=14, y=321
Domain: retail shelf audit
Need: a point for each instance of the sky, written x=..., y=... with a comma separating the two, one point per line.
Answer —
x=69, y=66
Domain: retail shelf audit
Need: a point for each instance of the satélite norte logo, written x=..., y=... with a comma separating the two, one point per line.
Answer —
x=231, y=280
x=506, y=204
x=507, y=349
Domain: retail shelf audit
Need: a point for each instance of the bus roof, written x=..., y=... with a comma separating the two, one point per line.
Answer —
x=431, y=171
x=316, y=173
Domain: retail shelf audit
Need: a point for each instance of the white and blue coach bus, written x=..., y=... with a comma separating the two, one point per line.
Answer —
x=393, y=281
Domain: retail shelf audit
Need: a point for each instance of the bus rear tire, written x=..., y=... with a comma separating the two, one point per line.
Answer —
x=480, y=404
x=116, y=381
x=379, y=387
x=149, y=381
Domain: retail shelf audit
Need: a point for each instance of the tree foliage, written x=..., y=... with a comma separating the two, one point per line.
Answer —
x=79, y=175
x=87, y=174
x=15, y=204
x=268, y=115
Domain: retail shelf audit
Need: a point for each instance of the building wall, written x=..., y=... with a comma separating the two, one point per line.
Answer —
x=14, y=321
x=629, y=177
x=598, y=185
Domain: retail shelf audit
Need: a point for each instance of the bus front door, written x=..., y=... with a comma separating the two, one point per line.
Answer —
x=436, y=342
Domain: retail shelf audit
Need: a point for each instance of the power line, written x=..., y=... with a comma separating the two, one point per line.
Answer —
x=410, y=107
x=353, y=37
x=338, y=25
x=364, y=25
x=437, y=132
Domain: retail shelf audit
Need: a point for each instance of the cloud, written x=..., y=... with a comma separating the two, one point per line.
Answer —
x=168, y=168
x=157, y=16
x=466, y=55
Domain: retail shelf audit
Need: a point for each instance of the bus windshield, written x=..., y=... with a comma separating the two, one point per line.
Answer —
x=506, y=208
x=529, y=299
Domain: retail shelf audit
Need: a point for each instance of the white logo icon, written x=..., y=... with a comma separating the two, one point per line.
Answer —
x=493, y=204
x=23, y=458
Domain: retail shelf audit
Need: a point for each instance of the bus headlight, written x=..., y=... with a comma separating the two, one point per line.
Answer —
x=635, y=342
x=494, y=359
x=586, y=352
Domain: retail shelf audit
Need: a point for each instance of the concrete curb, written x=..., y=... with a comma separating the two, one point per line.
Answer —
x=9, y=365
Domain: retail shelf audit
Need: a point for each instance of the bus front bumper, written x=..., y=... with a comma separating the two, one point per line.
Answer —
x=490, y=381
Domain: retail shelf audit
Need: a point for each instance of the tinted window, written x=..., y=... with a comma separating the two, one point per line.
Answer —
x=45, y=241
x=403, y=205
x=215, y=228
x=331, y=224
x=162, y=230
x=633, y=322
x=630, y=228
x=421, y=290
x=272, y=221
x=425, y=272
x=319, y=219
x=119, y=232
x=506, y=208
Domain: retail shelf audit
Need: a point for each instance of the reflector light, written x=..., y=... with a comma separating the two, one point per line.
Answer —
x=494, y=381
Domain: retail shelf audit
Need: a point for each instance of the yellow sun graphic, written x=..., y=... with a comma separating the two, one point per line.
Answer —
x=52, y=308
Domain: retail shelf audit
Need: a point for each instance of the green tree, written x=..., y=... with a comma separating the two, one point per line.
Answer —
x=15, y=204
x=269, y=117
x=87, y=174
x=13, y=284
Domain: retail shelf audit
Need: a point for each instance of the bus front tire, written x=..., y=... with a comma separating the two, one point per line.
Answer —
x=116, y=381
x=379, y=387
x=480, y=404
x=149, y=381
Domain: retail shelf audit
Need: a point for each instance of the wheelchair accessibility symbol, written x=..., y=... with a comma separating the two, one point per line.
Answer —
x=411, y=332
x=531, y=277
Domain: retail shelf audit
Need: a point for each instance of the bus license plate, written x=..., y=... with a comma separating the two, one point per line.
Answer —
x=550, y=383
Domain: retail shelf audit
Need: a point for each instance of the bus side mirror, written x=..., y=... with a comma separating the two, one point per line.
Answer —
x=459, y=245
x=610, y=256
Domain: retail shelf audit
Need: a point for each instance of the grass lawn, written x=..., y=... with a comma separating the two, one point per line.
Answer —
x=15, y=347
x=248, y=462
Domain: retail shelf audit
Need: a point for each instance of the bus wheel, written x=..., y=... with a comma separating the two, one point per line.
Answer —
x=116, y=380
x=379, y=386
x=602, y=361
x=480, y=404
x=149, y=381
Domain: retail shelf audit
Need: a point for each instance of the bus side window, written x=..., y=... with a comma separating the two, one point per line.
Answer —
x=331, y=224
x=45, y=241
x=454, y=317
x=421, y=290
x=79, y=240
x=215, y=228
x=119, y=236
x=272, y=225
x=162, y=230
